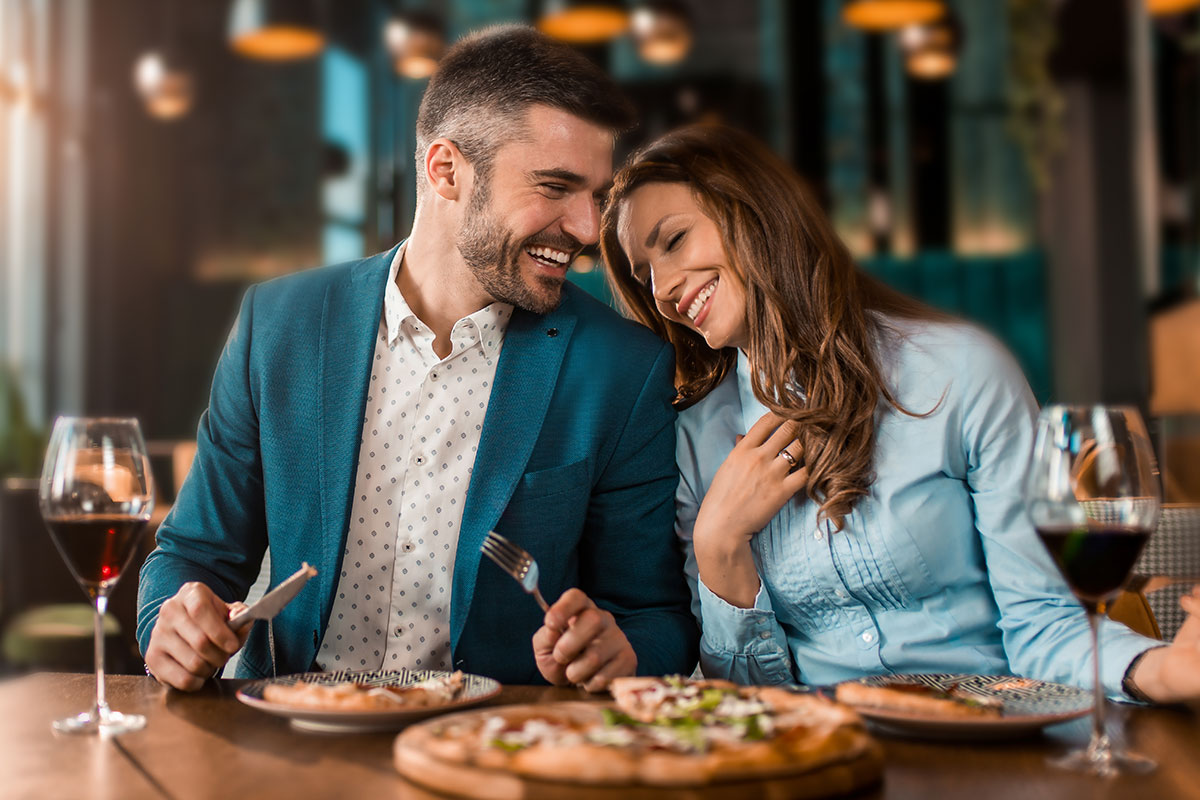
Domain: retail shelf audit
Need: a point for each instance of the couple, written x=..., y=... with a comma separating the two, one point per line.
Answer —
x=848, y=499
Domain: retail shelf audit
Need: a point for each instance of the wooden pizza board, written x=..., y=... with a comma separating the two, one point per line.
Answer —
x=425, y=770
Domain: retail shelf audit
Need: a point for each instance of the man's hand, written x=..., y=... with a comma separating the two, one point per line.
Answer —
x=192, y=639
x=581, y=644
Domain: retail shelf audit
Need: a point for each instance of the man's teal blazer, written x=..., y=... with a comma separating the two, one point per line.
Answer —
x=576, y=464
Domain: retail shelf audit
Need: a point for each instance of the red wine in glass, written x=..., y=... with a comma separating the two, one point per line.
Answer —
x=96, y=548
x=96, y=495
x=1095, y=559
x=1093, y=495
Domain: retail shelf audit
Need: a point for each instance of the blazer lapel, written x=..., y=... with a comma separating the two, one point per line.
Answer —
x=349, y=324
x=525, y=379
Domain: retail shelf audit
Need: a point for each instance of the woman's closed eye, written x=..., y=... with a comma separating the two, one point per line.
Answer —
x=674, y=240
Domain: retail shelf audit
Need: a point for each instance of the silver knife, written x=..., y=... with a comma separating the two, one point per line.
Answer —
x=273, y=601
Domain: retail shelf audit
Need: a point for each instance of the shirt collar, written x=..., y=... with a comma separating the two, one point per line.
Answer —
x=752, y=409
x=487, y=325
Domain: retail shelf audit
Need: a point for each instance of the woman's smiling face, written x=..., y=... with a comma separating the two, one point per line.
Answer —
x=677, y=252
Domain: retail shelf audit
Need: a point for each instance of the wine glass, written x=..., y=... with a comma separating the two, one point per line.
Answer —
x=96, y=496
x=1093, y=495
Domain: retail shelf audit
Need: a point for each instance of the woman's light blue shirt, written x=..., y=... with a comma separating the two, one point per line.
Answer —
x=938, y=569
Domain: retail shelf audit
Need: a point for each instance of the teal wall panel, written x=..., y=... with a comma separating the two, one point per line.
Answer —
x=1004, y=295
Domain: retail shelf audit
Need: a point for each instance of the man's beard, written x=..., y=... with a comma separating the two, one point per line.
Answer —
x=493, y=257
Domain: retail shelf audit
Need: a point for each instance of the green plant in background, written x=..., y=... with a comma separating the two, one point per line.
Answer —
x=1035, y=105
x=21, y=444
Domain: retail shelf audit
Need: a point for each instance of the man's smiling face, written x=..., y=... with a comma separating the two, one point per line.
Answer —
x=537, y=208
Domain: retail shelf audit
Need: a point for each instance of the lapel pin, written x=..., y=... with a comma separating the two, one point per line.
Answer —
x=552, y=332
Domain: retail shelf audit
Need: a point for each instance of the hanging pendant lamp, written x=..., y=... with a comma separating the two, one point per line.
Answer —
x=889, y=15
x=583, y=21
x=415, y=42
x=662, y=31
x=275, y=30
x=1162, y=8
x=165, y=87
x=931, y=50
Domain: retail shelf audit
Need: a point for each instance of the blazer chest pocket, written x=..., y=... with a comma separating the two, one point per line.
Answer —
x=552, y=499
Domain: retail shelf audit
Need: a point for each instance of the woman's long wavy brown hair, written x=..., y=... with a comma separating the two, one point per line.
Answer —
x=812, y=336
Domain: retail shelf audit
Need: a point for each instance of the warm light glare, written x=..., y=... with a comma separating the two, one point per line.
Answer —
x=173, y=100
x=416, y=67
x=931, y=51
x=149, y=72
x=279, y=43
x=585, y=24
x=1161, y=8
x=665, y=51
x=166, y=92
x=989, y=238
x=18, y=90
x=415, y=48
x=889, y=15
x=879, y=212
x=931, y=65
x=662, y=38
x=919, y=37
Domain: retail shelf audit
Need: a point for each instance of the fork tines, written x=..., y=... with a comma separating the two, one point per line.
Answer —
x=509, y=557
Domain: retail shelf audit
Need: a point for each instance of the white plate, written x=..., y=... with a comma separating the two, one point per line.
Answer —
x=1029, y=706
x=476, y=689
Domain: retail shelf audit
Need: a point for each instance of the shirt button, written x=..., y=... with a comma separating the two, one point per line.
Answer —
x=839, y=593
x=408, y=547
x=868, y=637
x=764, y=635
x=818, y=535
x=433, y=375
x=398, y=631
x=419, y=460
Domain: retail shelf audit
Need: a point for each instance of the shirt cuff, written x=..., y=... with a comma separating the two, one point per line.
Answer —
x=740, y=631
x=1116, y=654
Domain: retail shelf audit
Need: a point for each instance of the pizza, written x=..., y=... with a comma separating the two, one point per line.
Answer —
x=918, y=698
x=660, y=732
x=351, y=696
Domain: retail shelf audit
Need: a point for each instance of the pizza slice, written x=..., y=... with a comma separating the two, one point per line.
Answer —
x=919, y=698
x=352, y=696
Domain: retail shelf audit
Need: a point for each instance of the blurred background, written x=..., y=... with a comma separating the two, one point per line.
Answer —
x=1033, y=165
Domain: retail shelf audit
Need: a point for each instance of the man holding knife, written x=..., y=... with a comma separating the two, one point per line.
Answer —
x=376, y=419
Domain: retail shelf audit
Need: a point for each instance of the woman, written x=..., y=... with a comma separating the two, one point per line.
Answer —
x=850, y=460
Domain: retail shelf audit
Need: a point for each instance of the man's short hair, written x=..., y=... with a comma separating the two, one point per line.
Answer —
x=489, y=79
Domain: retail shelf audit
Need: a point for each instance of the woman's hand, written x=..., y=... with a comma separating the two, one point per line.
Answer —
x=753, y=483
x=1171, y=674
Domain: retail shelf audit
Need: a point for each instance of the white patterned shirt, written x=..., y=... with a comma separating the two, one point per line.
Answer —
x=421, y=429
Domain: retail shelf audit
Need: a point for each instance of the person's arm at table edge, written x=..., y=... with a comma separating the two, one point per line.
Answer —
x=218, y=517
x=637, y=569
x=1046, y=635
x=731, y=642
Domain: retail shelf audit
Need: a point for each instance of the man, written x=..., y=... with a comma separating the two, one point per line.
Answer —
x=377, y=418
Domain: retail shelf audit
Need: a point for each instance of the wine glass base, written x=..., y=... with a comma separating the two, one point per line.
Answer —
x=1105, y=762
x=106, y=723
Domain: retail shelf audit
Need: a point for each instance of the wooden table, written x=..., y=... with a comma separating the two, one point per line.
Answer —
x=208, y=745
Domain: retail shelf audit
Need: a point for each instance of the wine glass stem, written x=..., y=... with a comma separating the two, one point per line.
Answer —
x=101, y=607
x=1098, y=733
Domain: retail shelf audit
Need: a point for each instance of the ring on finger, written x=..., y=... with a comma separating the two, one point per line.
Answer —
x=788, y=457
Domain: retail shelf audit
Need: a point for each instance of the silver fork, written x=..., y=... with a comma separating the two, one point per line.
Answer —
x=514, y=560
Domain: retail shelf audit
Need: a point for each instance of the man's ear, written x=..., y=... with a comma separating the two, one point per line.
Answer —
x=446, y=170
